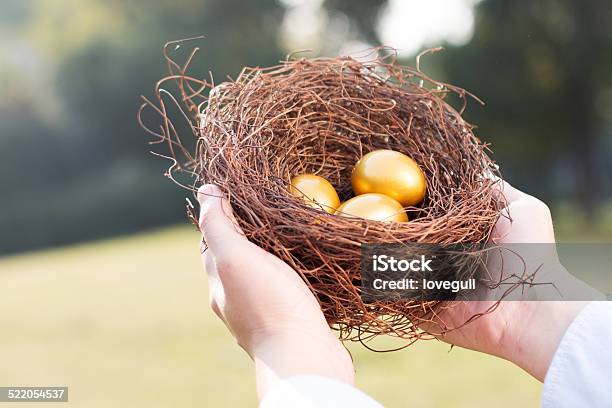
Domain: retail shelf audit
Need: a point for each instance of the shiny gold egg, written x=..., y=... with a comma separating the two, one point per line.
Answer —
x=391, y=173
x=316, y=192
x=373, y=206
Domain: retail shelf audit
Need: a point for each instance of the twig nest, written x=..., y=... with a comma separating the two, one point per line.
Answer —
x=321, y=116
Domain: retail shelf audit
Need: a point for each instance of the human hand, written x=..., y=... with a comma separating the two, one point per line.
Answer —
x=264, y=303
x=522, y=330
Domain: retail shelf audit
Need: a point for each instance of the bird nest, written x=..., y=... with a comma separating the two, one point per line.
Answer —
x=321, y=115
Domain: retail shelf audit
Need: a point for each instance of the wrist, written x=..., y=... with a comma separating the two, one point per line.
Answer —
x=532, y=337
x=532, y=341
x=280, y=354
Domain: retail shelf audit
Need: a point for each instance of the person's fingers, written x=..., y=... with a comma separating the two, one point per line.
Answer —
x=219, y=228
x=220, y=233
x=518, y=200
x=511, y=196
x=215, y=287
x=504, y=190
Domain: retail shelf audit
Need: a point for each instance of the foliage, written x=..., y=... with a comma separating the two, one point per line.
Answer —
x=74, y=163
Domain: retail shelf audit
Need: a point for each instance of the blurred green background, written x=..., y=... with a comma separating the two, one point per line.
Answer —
x=124, y=322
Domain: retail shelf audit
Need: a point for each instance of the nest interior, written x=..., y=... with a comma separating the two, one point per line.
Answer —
x=320, y=116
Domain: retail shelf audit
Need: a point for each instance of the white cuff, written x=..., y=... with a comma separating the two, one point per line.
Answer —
x=313, y=391
x=580, y=372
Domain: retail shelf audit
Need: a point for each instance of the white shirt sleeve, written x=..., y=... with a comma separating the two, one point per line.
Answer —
x=580, y=374
x=313, y=391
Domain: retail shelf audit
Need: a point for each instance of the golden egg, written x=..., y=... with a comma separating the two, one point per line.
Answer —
x=391, y=173
x=373, y=206
x=316, y=192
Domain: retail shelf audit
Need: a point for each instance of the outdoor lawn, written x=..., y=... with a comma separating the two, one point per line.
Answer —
x=126, y=323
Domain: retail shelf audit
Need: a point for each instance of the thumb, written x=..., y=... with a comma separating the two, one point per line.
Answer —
x=217, y=223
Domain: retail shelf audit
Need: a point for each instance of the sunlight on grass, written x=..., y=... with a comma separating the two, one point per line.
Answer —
x=126, y=322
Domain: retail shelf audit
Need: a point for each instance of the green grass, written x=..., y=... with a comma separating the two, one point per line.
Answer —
x=126, y=323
